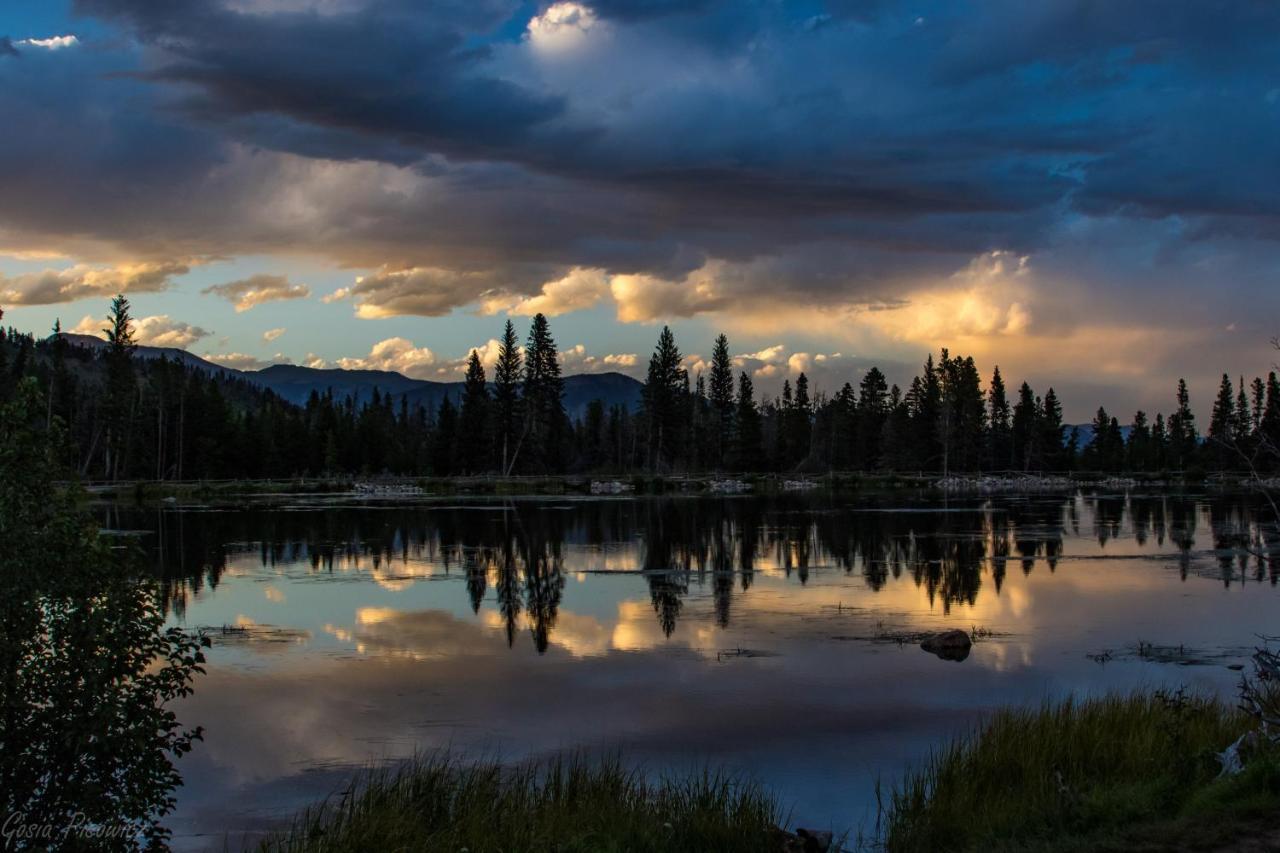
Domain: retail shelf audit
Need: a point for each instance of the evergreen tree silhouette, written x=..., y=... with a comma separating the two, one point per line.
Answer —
x=506, y=398
x=473, y=436
x=721, y=398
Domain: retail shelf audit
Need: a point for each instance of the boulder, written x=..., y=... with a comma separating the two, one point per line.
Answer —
x=948, y=645
x=804, y=841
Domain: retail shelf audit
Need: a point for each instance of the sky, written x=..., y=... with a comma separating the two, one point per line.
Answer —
x=1086, y=193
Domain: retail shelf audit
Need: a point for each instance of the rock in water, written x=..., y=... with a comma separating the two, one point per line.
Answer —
x=948, y=645
x=805, y=841
x=815, y=841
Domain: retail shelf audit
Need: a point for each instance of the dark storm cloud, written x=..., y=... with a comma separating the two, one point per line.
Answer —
x=841, y=147
x=387, y=70
x=639, y=10
x=379, y=83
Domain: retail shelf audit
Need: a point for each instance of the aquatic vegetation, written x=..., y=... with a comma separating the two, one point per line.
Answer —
x=1084, y=775
x=567, y=804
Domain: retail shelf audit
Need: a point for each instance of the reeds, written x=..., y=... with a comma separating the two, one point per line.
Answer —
x=1055, y=777
x=567, y=804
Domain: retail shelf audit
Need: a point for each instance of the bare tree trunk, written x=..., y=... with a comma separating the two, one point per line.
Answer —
x=516, y=453
x=93, y=449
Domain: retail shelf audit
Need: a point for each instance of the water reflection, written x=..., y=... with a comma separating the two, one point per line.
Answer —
x=678, y=629
x=521, y=552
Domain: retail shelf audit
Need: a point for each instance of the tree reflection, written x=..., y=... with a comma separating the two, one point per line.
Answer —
x=518, y=553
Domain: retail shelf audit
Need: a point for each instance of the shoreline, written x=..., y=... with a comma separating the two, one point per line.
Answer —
x=602, y=485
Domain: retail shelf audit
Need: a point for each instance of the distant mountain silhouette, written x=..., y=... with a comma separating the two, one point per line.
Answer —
x=295, y=383
x=172, y=353
x=1085, y=433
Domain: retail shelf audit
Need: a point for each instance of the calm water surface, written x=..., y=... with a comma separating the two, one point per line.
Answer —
x=755, y=634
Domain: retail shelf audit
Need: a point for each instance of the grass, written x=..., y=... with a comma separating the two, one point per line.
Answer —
x=566, y=805
x=1120, y=773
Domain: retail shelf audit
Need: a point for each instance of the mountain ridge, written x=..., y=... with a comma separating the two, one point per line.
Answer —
x=296, y=382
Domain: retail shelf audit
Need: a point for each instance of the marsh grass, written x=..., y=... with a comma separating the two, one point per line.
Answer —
x=567, y=805
x=1121, y=772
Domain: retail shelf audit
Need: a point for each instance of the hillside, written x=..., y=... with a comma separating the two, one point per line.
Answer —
x=295, y=383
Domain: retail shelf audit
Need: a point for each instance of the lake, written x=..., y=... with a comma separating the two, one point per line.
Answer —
x=774, y=636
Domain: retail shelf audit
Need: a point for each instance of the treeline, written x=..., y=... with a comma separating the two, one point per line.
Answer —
x=134, y=418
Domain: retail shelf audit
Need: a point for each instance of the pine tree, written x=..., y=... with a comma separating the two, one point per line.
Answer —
x=962, y=414
x=661, y=397
x=846, y=449
x=1051, y=432
x=1091, y=458
x=721, y=396
x=445, y=445
x=895, y=441
x=592, y=442
x=118, y=404
x=926, y=404
x=700, y=427
x=61, y=383
x=747, y=448
x=1242, y=423
x=507, y=420
x=1258, y=392
x=945, y=424
x=1138, y=449
x=473, y=436
x=546, y=425
x=1182, y=430
x=999, y=435
x=1025, y=433
x=798, y=422
x=1222, y=433
x=1106, y=451
x=1159, y=444
x=1269, y=423
x=871, y=413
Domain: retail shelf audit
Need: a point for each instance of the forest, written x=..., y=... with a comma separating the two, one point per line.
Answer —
x=130, y=418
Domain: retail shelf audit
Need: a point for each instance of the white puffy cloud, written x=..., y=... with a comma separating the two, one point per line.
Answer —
x=827, y=370
x=988, y=297
x=271, y=334
x=156, y=331
x=576, y=359
x=247, y=293
x=395, y=354
x=647, y=298
x=695, y=364
x=769, y=355
x=488, y=353
x=562, y=27
x=627, y=359
x=51, y=286
x=580, y=288
x=89, y=325
x=799, y=362
x=52, y=43
x=420, y=291
x=766, y=371
x=242, y=361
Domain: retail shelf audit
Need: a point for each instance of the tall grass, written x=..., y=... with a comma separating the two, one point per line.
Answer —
x=1078, y=775
x=566, y=805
